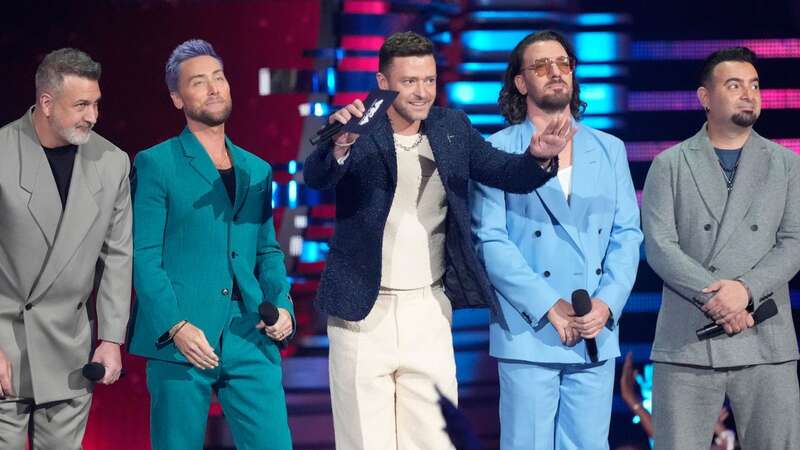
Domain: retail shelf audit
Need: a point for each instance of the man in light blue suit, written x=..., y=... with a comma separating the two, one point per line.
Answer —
x=578, y=231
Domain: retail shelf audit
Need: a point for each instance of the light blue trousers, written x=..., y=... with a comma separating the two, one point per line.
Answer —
x=555, y=406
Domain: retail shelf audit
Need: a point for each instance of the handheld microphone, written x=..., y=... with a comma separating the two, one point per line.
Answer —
x=269, y=314
x=762, y=313
x=582, y=305
x=94, y=372
x=328, y=131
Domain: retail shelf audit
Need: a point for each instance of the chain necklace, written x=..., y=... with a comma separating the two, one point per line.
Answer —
x=729, y=179
x=408, y=148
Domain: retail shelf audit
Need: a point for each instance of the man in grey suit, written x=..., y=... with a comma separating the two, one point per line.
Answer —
x=721, y=215
x=65, y=233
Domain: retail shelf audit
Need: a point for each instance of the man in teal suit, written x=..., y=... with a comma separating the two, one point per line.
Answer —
x=205, y=257
x=580, y=230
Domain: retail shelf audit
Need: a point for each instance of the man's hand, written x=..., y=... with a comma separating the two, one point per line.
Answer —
x=590, y=325
x=343, y=141
x=282, y=327
x=737, y=323
x=730, y=298
x=548, y=143
x=561, y=315
x=5, y=377
x=107, y=354
x=192, y=343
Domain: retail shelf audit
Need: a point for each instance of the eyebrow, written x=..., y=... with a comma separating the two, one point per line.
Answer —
x=740, y=80
x=201, y=75
x=86, y=100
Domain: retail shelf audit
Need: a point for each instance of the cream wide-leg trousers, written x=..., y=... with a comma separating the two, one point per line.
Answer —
x=384, y=371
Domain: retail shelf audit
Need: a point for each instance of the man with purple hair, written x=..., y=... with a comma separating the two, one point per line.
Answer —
x=205, y=258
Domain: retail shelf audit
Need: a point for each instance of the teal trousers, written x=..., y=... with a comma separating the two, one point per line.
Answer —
x=248, y=386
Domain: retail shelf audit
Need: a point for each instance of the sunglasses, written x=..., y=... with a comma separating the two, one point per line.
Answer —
x=542, y=65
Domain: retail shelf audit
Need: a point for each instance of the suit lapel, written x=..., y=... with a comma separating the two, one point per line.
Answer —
x=198, y=158
x=440, y=142
x=750, y=175
x=384, y=142
x=36, y=178
x=78, y=217
x=550, y=194
x=585, y=170
x=707, y=174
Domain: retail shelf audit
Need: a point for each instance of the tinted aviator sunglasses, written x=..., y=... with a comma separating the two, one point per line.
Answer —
x=542, y=65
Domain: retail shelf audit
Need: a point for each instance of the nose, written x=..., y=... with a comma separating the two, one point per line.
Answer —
x=92, y=114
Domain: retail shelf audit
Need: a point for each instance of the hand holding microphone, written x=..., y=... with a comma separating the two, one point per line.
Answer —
x=276, y=323
x=589, y=320
x=766, y=310
x=333, y=130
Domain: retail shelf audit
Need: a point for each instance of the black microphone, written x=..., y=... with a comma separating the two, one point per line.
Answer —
x=328, y=131
x=269, y=314
x=582, y=305
x=762, y=313
x=94, y=371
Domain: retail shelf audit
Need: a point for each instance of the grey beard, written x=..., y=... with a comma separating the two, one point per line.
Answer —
x=744, y=120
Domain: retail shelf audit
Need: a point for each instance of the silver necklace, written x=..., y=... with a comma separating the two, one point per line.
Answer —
x=729, y=179
x=408, y=148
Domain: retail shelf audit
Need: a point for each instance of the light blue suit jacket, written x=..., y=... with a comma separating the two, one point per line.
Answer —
x=537, y=248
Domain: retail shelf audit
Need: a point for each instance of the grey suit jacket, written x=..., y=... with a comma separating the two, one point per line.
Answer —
x=51, y=263
x=695, y=234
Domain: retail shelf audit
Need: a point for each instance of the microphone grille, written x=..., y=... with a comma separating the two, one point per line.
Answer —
x=268, y=313
x=581, y=302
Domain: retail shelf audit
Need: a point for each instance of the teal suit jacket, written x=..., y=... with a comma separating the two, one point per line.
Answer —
x=190, y=243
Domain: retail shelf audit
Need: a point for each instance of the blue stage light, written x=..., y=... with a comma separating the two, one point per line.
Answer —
x=292, y=194
x=275, y=195
x=600, y=46
x=292, y=167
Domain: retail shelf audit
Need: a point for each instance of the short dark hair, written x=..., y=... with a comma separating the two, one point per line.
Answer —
x=64, y=61
x=742, y=54
x=406, y=43
x=513, y=104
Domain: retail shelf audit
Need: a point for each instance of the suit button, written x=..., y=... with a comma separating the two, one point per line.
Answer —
x=546, y=273
x=225, y=292
x=537, y=233
x=236, y=218
x=712, y=269
x=754, y=227
x=28, y=307
x=234, y=255
x=707, y=227
x=599, y=231
x=80, y=304
x=598, y=271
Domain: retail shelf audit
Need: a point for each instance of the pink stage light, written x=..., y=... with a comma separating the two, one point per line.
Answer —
x=365, y=7
x=644, y=151
x=372, y=43
x=676, y=50
x=687, y=100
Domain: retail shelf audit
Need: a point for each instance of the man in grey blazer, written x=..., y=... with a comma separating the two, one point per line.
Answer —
x=65, y=233
x=721, y=215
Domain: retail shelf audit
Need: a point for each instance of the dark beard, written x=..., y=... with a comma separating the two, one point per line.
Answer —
x=744, y=120
x=553, y=103
x=209, y=119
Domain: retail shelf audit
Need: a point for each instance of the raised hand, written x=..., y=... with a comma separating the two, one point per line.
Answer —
x=549, y=142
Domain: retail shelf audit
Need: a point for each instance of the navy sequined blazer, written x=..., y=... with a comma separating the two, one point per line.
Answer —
x=365, y=186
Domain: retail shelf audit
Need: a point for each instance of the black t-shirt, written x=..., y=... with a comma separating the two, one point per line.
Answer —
x=728, y=160
x=61, y=160
x=229, y=180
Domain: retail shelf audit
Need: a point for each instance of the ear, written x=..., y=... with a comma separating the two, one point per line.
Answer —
x=702, y=96
x=383, y=82
x=176, y=100
x=46, y=101
x=519, y=82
